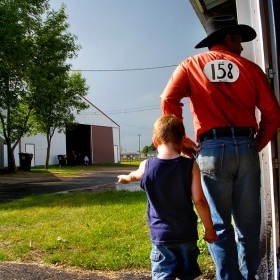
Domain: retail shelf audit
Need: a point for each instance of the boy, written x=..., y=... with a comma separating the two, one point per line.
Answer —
x=171, y=183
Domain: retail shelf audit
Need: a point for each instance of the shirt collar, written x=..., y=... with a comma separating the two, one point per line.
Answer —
x=220, y=48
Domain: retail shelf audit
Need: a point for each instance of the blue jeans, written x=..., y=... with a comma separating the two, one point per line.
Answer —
x=230, y=176
x=175, y=260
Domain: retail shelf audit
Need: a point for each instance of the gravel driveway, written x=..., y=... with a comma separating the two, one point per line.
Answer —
x=23, y=271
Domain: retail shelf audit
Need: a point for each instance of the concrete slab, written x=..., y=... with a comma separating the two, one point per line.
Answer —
x=134, y=186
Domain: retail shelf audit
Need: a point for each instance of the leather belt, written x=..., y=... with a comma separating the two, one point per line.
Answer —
x=227, y=132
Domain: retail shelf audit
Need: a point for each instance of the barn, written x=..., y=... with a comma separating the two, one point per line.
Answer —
x=96, y=136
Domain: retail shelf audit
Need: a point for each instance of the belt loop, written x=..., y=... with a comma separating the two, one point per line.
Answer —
x=214, y=133
x=251, y=131
x=232, y=132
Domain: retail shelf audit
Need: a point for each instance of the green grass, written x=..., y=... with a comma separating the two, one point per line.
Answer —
x=102, y=231
x=84, y=167
x=77, y=170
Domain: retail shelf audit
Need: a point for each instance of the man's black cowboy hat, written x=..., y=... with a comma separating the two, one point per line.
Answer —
x=221, y=25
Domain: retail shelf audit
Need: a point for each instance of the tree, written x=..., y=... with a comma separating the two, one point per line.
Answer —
x=57, y=111
x=145, y=150
x=152, y=147
x=55, y=92
x=37, y=93
x=17, y=22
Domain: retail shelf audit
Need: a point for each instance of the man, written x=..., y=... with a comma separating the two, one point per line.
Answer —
x=224, y=91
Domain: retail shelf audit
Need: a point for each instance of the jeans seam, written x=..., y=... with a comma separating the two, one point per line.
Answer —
x=251, y=153
x=222, y=156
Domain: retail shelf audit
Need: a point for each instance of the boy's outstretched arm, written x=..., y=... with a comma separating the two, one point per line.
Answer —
x=202, y=206
x=134, y=175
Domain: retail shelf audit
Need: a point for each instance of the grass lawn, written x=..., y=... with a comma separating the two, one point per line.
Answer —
x=94, y=231
x=68, y=170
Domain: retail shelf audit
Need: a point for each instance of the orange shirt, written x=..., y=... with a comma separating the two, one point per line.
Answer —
x=218, y=103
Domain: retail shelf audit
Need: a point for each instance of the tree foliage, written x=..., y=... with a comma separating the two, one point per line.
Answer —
x=37, y=92
x=57, y=112
x=146, y=149
x=56, y=92
x=17, y=22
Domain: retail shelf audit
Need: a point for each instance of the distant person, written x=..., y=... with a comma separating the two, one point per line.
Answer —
x=86, y=160
x=225, y=90
x=74, y=157
x=172, y=185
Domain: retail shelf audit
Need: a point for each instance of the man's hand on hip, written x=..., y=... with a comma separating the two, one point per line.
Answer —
x=189, y=148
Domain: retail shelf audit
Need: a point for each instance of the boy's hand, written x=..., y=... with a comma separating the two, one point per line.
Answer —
x=123, y=179
x=210, y=235
x=134, y=175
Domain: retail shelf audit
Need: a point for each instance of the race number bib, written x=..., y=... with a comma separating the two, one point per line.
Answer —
x=221, y=71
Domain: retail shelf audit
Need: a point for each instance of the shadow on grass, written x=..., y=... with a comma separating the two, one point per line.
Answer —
x=25, y=173
x=77, y=199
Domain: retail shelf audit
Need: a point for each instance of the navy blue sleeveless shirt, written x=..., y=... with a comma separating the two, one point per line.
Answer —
x=171, y=217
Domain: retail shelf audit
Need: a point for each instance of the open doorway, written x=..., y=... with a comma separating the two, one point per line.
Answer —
x=78, y=140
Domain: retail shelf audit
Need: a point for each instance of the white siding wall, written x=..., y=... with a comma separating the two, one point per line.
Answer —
x=116, y=140
x=58, y=147
x=251, y=12
x=6, y=156
x=92, y=116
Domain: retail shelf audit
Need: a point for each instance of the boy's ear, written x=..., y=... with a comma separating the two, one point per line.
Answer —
x=155, y=143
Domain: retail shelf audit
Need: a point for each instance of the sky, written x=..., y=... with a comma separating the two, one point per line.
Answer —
x=125, y=35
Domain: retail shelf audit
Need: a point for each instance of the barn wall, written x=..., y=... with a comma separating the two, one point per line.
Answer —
x=102, y=144
x=58, y=147
x=106, y=135
x=117, y=145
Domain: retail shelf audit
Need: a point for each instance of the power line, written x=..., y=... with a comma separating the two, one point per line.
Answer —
x=128, y=69
x=145, y=108
x=136, y=108
x=123, y=112
x=135, y=126
x=139, y=109
x=150, y=128
x=126, y=111
x=117, y=112
x=132, y=111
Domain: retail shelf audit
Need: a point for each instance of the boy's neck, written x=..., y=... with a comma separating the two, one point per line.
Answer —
x=169, y=151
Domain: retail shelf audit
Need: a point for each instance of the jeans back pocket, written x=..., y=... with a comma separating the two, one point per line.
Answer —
x=210, y=158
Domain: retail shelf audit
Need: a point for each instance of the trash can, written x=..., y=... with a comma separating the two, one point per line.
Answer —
x=62, y=159
x=25, y=161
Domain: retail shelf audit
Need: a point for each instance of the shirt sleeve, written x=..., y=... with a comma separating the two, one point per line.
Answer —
x=269, y=111
x=174, y=92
